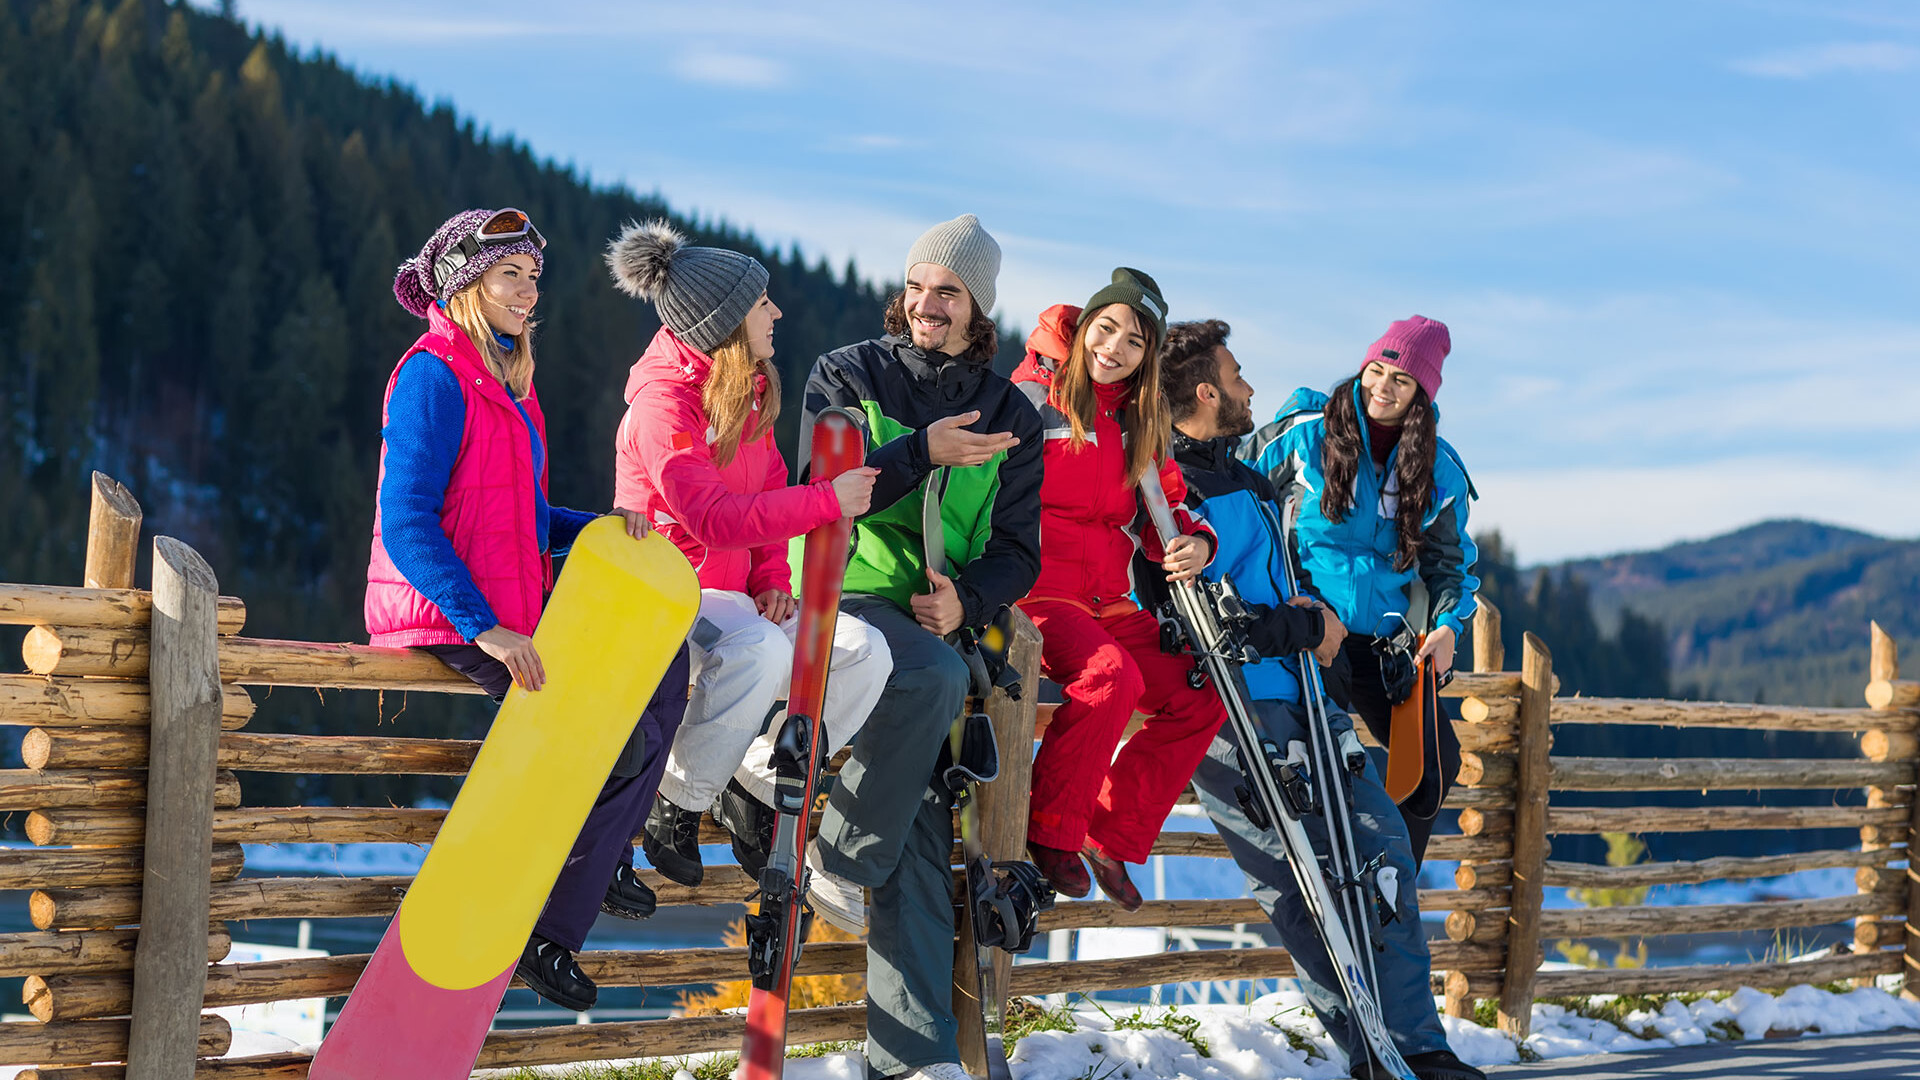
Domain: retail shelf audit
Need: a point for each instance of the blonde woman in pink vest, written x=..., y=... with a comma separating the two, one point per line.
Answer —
x=695, y=454
x=464, y=539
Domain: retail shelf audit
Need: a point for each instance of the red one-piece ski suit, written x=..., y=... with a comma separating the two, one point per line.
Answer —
x=1100, y=646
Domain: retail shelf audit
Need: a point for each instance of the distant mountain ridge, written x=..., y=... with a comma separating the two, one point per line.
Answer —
x=1775, y=612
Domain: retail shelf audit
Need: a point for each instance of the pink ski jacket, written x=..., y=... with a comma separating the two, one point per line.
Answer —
x=489, y=509
x=731, y=521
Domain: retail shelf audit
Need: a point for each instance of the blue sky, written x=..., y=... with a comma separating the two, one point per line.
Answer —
x=1675, y=242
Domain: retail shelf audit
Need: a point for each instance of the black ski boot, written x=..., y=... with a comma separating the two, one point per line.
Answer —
x=751, y=823
x=671, y=839
x=548, y=970
x=628, y=896
x=1442, y=1065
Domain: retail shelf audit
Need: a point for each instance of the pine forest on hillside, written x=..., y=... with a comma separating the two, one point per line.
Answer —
x=206, y=233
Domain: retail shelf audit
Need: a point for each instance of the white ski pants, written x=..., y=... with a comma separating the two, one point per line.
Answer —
x=742, y=665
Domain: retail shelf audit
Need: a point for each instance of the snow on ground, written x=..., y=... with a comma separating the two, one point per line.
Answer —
x=1277, y=1038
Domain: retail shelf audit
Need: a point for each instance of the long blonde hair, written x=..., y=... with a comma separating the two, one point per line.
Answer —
x=728, y=395
x=515, y=367
x=1147, y=423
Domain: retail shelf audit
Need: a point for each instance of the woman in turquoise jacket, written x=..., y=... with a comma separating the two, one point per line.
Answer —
x=1381, y=524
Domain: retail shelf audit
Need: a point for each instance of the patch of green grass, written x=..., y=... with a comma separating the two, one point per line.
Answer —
x=1186, y=1027
x=1615, y=1008
x=1727, y=1030
x=1296, y=1039
x=1486, y=1012
x=1026, y=1016
x=1529, y=1054
x=706, y=1067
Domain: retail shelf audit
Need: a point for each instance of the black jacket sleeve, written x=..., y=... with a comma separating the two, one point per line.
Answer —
x=1285, y=630
x=837, y=379
x=1009, y=562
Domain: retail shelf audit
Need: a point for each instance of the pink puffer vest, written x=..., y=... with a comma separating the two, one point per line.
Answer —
x=487, y=513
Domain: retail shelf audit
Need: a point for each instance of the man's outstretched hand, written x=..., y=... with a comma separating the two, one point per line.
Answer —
x=950, y=443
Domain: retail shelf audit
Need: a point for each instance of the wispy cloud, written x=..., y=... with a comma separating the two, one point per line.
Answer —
x=738, y=70
x=1838, y=57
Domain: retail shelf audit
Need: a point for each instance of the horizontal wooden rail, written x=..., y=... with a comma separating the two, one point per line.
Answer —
x=40, y=951
x=1589, y=876
x=80, y=996
x=32, y=789
x=44, y=701
x=51, y=650
x=81, y=1041
x=248, y=825
x=61, y=605
x=322, y=898
x=660, y=1038
x=125, y=748
x=1690, y=978
x=1720, y=714
x=1645, y=819
x=35, y=868
x=1477, y=711
x=1652, y=920
x=1893, y=694
x=1723, y=774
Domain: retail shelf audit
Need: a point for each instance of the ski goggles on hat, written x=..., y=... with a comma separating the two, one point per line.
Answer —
x=504, y=227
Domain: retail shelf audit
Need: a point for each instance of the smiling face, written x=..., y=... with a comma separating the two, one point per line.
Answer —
x=1388, y=392
x=939, y=309
x=1116, y=344
x=508, y=291
x=759, y=325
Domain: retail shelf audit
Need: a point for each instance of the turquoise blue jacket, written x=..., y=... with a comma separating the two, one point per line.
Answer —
x=1350, y=564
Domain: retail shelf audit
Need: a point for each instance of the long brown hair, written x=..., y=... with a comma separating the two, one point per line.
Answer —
x=1340, y=463
x=513, y=367
x=728, y=395
x=1147, y=422
x=983, y=336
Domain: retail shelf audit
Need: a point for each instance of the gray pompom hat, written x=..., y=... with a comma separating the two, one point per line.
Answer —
x=701, y=293
x=967, y=249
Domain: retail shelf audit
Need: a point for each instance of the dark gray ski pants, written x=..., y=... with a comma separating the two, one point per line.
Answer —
x=1406, y=998
x=889, y=826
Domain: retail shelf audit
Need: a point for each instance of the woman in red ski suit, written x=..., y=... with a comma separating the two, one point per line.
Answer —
x=1082, y=370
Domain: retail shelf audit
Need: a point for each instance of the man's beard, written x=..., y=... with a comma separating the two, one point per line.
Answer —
x=1236, y=417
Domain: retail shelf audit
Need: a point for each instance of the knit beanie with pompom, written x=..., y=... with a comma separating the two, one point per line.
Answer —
x=414, y=286
x=701, y=293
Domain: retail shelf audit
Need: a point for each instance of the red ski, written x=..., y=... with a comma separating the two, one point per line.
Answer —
x=775, y=930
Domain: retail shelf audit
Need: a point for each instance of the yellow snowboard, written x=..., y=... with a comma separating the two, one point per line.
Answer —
x=421, y=1008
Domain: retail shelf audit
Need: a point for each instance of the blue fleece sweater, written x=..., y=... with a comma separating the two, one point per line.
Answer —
x=426, y=416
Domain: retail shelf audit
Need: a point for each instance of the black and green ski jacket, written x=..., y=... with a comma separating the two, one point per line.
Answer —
x=990, y=513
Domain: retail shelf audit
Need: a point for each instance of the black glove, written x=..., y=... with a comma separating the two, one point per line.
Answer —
x=1284, y=630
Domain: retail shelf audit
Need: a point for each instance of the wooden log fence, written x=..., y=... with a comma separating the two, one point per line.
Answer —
x=92, y=716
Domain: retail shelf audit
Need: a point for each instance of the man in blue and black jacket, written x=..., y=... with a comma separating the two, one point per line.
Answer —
x=1210, y=403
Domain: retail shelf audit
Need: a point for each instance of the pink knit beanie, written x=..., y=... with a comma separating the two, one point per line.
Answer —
x=1415, y=345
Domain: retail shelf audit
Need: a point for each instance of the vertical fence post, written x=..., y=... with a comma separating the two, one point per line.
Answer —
x=1489, y=652
x=1003, y=820
x=1879, y=744
x=113, y=535
x=170, y=958
x=1533, y=774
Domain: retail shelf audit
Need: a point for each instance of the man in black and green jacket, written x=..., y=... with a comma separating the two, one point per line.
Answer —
x=938, y=419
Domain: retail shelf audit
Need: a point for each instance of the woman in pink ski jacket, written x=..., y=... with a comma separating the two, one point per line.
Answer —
x=695, y=455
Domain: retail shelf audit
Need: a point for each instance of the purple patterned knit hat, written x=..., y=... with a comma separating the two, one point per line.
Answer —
x=413, y=286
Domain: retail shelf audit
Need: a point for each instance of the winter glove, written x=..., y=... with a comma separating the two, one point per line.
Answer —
x=1284, y=630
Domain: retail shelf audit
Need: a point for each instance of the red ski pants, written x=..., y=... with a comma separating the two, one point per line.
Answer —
x=1109, y=668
